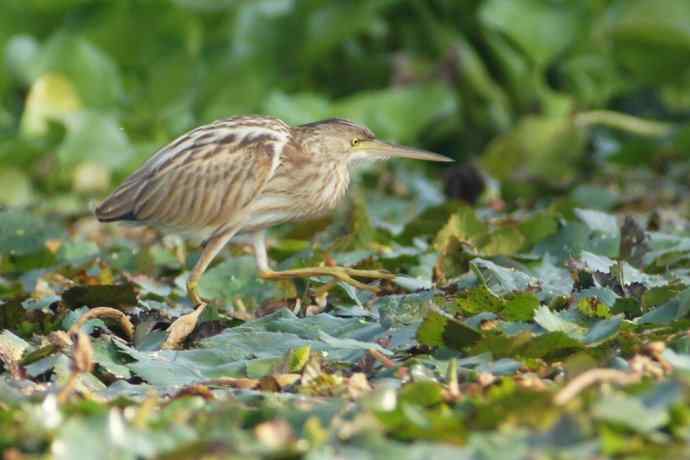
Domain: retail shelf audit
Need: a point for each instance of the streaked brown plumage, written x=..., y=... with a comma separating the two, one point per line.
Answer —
x=244, y=175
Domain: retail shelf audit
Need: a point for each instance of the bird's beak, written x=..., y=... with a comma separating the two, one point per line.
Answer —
x=378, y=149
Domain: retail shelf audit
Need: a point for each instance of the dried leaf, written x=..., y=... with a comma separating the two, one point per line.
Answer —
x=82, y=353
x=180, y=329
x=106, y=313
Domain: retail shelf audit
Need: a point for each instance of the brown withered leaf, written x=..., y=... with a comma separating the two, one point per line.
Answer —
x=106, y=313
x=233, y=382
x=59, y=339
x=180, y=329
x=285, y=380
x=12, y=349
x=194, y=390
x=357, y=385
x=82, y=353
x=269, y=383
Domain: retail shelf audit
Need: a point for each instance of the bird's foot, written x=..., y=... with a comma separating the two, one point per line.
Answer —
x=344, y=274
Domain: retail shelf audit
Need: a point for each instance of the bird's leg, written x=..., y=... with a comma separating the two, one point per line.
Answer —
x=344, y=274
x=212, y=247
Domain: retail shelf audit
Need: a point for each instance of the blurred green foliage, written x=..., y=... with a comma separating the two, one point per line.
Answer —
x=90, y=89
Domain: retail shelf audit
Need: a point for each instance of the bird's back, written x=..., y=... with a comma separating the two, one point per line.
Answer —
x=202, y=179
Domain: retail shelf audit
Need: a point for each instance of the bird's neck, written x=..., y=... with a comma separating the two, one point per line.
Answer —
x=334, y=182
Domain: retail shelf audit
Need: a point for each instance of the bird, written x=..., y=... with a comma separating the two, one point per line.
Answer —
x=244, y=174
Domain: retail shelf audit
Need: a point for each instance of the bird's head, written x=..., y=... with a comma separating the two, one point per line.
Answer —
x=343, y=141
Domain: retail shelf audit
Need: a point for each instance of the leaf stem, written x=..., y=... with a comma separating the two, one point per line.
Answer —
x=591, y=377
x=624, y=122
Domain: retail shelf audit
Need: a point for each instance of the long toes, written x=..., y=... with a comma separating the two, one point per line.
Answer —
x=363, y=286
x=358, y=284
x=374, y=274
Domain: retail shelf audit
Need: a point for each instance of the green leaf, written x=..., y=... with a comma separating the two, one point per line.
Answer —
x=502, y=280
x=671, y=310
x=479, y=299
x=602, y=331
x=463, y=226
x=629, y=275
x=95, y=137
x=503, y=241
x=237, y=278
x=297, y=109
x=22, y=233
x=297, y=358
x=555, y=281
x=544, y=147
x=351, y=344
x=592, y=307
x=332, y=24
x=400, y=310
x=555, y=322
x=595, y=197
x=520, y=306
x=551, y=345
x=537, y=227
x=424, y=393
x=647, y=37
x=540, y=28
x=52, y=98
x=629, y=412
x=397, y=114
x=107, y=356
x=605, y=237
x=77, y=251
x=430, y=221
x=441, y=329
x=95, y=75
x=17, y=188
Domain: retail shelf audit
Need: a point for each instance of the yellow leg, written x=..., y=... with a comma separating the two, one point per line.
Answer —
x=193, y=291
x=211, y=249
x=343, y=274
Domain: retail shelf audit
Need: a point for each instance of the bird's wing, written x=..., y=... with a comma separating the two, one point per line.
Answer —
x=204, y=178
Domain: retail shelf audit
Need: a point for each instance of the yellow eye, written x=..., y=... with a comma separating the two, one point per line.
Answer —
x=355, y=141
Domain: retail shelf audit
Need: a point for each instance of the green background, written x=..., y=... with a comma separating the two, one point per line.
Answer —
x=90, y=89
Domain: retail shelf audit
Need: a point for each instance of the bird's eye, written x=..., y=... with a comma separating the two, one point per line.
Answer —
x=355, y=141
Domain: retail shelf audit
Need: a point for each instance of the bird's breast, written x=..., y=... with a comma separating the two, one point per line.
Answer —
x=294, y=194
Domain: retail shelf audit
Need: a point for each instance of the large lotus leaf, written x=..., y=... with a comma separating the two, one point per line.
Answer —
x=502, y=280
x=255, y=347
x=630, y=412
x=95, y=76
x=542, y=34
x=547, y=148
x=398, y=114
x=97, y=138
x=237, y=278
x=22, y=233
x=652, y=38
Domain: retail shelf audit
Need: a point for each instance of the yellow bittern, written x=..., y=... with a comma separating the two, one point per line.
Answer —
x=242, y=175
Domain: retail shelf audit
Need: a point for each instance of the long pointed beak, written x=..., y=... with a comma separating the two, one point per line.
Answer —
x=379, y=149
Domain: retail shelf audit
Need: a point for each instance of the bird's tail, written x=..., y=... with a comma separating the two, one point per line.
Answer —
x=118, y=206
